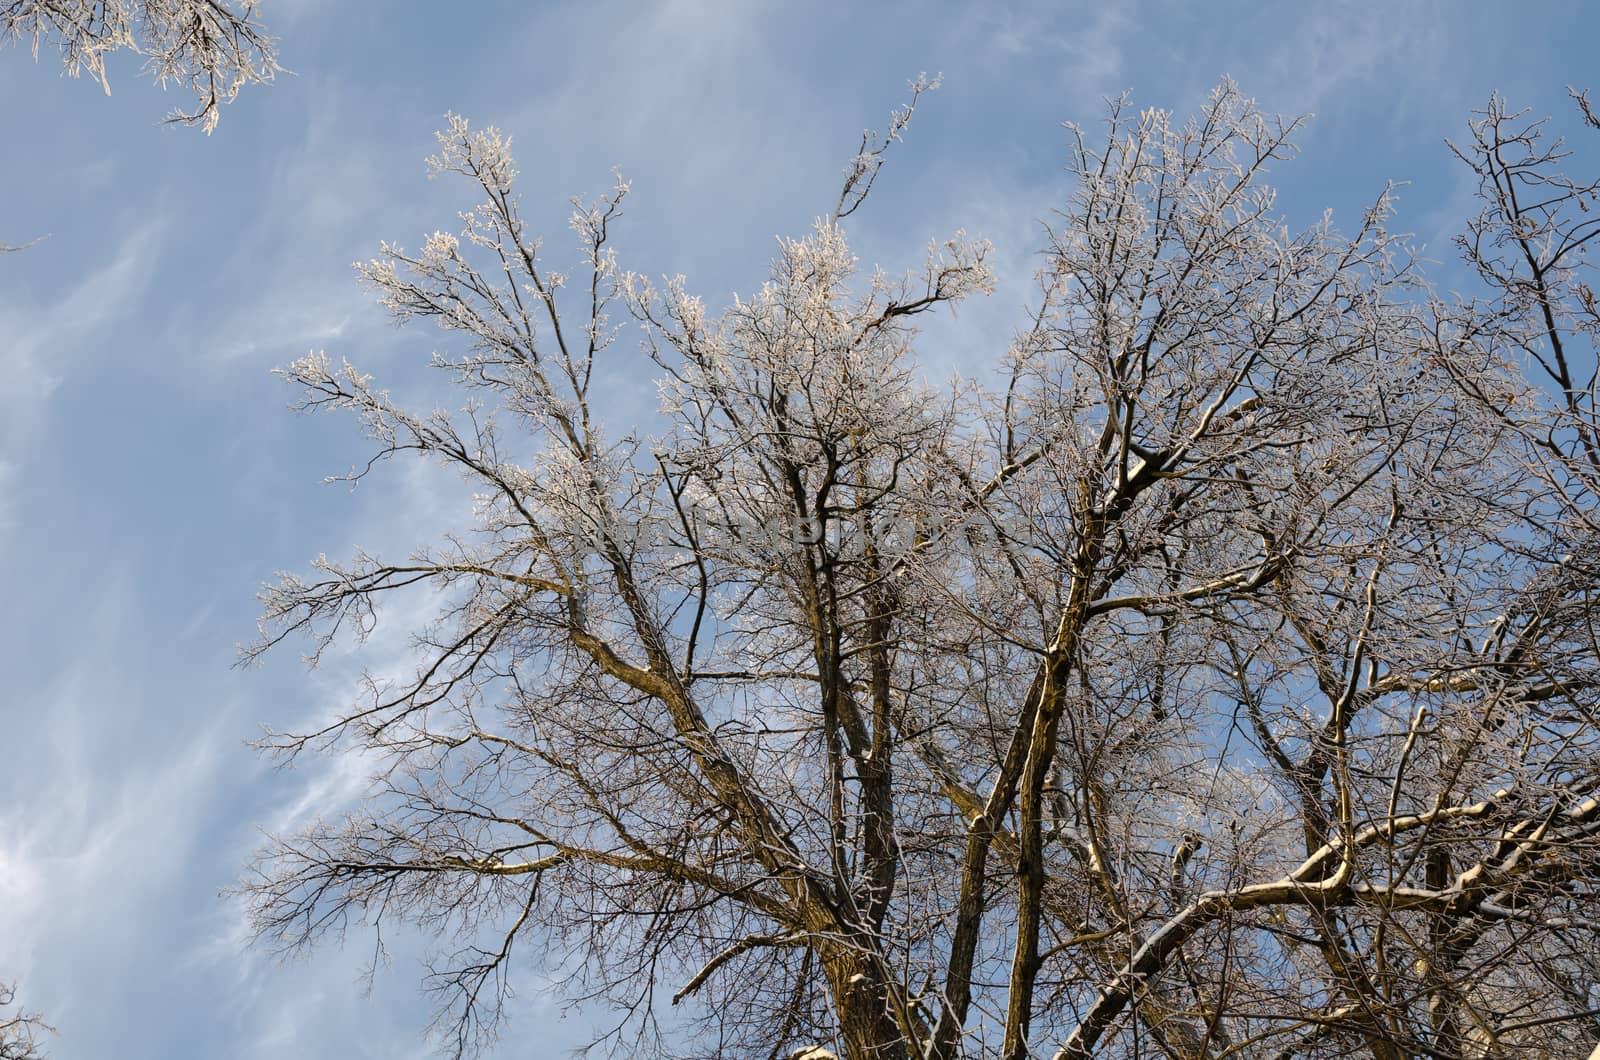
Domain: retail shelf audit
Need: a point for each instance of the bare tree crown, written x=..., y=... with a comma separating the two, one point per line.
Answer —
x=1216, y=678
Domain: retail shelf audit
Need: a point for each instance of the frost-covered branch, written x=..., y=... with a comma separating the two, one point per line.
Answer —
x=211, y=47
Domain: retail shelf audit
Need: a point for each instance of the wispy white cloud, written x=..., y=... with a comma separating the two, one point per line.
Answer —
x=94, y=826
x=286, y=285
x=1086, y=47
x=43, y=343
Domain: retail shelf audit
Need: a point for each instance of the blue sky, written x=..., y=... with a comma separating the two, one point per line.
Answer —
x=151, y=477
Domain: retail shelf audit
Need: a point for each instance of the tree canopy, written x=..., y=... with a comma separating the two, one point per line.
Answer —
x=1215, y=675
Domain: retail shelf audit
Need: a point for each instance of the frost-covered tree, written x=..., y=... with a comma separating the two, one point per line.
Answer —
x=19, y=1029
x=210, y=47
x=1216, y=676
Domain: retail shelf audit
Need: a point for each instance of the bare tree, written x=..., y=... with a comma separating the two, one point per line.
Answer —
x=19, y=1029
x=1214, y=679
x=210, y=47
x=1530, y=245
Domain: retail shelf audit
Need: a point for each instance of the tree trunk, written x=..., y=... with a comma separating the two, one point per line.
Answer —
x=868, y=1029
